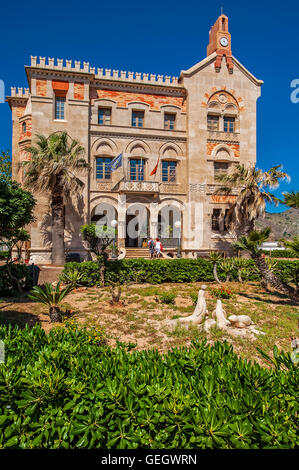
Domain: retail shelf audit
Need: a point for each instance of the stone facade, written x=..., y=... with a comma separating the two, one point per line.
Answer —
x=218, y=90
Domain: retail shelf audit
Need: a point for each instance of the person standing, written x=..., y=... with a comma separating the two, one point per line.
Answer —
x=151, y=247
x=158, y=248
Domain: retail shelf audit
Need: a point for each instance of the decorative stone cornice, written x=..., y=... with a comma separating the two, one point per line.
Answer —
x=126, y=135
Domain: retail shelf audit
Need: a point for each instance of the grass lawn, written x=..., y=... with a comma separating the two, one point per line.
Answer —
x=140, y=316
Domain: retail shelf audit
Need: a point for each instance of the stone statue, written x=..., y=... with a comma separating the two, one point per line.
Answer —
x=220, y=315
x=200, y=312
x=240, y=321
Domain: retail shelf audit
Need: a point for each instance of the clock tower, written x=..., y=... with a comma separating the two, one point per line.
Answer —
x=220, y=42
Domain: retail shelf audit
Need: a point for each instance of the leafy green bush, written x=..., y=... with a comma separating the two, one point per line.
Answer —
x=68, y=390
x=3, y=254
x=164, y=270
x=167, y=298
x=281, y=253
x=22, y=272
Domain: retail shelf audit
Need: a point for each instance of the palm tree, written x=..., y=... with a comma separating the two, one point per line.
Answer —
x=55, y=161
x=252, y=185
x=251, y=244
x=52, y=297
x=291, y=199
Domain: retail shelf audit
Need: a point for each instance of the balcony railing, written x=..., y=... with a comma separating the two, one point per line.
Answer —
x=139, y=186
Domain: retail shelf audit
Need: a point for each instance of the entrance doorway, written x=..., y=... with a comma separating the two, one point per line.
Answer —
x=137, y=226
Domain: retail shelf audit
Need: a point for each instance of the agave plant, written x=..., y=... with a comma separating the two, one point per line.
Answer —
x=226, y=266
x=52, y=297
x=241, y=266
x=72, y=277
x=216, y=258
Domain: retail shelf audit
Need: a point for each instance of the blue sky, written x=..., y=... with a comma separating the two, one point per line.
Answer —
x=165, y=37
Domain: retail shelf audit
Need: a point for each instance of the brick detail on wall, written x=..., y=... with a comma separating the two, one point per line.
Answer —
x=235, y=148
x=228, y=95
x=28, y=133
x=20, y=111
x=41, y=87
x=154, y=101
x=219, y=199
x=78, y=91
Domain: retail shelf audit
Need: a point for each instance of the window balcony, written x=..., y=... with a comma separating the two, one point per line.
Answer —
x=149, y=187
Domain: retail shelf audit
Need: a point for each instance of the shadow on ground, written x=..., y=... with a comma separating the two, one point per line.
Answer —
x=13, y=317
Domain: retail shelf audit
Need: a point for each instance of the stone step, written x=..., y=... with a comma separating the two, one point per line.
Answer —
x=137, y=253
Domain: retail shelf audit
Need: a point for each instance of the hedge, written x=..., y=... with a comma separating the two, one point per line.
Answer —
x=3, y=254
x=162, y=270
x=65, y=390
x=281, y=253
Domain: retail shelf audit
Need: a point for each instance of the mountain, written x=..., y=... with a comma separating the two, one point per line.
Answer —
x=283, y=224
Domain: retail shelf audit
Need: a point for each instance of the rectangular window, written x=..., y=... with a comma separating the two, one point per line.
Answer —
x=216, y=220
x=229, y=124
x=59, y=107
x=169, y=121
x=104, y=116
x=137, y=118
x=103, y=170
x=213, y=123
x=169, y=172
x=137, y=169
x=220, y=168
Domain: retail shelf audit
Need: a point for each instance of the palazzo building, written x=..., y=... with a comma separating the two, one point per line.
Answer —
x=189, y=128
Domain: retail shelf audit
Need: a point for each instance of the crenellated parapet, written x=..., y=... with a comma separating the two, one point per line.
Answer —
x=101, y=73
x=19, y=92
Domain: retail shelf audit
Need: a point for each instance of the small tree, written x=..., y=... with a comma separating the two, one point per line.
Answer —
x=16, y=211
x=216, y=258
x=5, y=166
x=99, y=238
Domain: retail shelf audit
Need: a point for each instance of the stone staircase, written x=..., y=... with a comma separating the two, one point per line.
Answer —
x=137, y=253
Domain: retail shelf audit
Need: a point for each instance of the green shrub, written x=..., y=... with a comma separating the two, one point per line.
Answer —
x=167, y=298
x=3, y=254
x=281, y=253
x=157, y=271
x=68, y=390
x=22, y=272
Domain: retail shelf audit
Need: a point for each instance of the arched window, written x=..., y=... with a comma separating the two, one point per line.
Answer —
x=24, y=127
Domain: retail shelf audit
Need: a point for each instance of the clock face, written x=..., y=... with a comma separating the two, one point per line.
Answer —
x=224, y=42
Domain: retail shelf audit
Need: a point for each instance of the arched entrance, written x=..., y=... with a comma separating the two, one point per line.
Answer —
x=137, y=225
x=105, y=216
x=168, y=230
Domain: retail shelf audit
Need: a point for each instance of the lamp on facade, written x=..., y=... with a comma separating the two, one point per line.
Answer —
x=113, y=225
x=178, y=225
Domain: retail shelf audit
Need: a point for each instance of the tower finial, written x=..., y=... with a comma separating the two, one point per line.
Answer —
x=221, y=10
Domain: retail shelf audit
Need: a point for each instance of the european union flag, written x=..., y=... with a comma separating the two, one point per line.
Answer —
x=116, y=162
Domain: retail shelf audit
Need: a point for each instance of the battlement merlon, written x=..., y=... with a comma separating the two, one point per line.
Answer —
x=101, y=73
x=19, y=94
